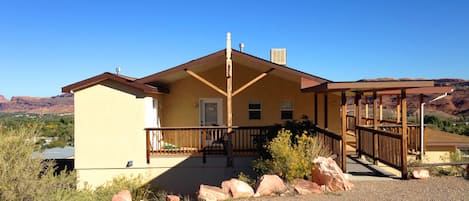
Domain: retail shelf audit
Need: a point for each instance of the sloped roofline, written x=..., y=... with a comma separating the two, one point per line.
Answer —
x=117, y=78
x=204, y=59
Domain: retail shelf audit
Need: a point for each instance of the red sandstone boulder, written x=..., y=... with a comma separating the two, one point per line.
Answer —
x=420, y=174
x=270, y=184
x=237, y=188
x=325, y=171
x=123, y=195
x=304, y=187
x=211, y=193
x=172, y=198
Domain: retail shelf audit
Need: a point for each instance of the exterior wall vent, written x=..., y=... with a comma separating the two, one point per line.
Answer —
x=278, y=56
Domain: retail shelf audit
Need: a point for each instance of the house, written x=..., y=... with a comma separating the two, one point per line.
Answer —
x=168, y=126
x=63, y=157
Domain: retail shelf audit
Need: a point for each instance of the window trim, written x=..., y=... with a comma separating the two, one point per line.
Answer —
x=254, y=110
x=286, y=105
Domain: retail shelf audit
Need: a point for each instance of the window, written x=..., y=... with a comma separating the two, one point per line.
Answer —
x=254, y=110
x=286, y=109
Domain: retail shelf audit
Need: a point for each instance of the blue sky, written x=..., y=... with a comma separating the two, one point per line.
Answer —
x=45, y=45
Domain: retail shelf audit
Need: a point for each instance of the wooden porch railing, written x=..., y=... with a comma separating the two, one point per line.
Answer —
x=350, y=123
x=190, y=140
x=413, y=131
x=387, y=147
x=333, y=142
x=413, y=135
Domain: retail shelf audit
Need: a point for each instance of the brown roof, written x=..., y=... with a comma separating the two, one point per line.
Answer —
x=129, y=81
x=369, y=86
x=237, y=56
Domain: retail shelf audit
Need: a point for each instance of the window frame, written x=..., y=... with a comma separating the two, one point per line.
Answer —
x=259, y=110
x=286, y=105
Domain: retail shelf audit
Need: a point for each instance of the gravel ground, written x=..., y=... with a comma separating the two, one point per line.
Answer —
x=435, y=188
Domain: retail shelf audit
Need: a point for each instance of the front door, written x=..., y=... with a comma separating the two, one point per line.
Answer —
x=211, y=112
x=211, y=115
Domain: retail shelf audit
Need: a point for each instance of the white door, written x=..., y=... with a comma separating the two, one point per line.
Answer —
x=211, y=111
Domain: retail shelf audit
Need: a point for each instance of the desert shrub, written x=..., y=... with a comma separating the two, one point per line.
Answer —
x=294, y=126
x=290, y=159
x=246, y=178
x=23, y=177
x=135, y=185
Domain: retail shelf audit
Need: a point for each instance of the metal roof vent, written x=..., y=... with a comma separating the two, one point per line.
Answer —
x=278, y=56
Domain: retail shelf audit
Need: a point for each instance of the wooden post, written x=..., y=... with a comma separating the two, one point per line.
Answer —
x=366, y=109
x=404, y=134
x=375, y=127
x=358, y=109
x=398, y=109
x=204, y=138
x=316, y=109
x=148, y=145
x=380, y=108
x=229, y=106
x=325, y=112
x=344, y=131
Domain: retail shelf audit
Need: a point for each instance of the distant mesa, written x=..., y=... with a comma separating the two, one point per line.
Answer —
x=3, y=99
x=455, y=105
x=60, y=104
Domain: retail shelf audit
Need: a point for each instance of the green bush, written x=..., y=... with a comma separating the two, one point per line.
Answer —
x=290, y=159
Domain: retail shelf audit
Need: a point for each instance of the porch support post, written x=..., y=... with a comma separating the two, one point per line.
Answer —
x=358, y=109
x=147, y=132
x=404, y=134
x=366, y=109
x=316, y=109
x=344, y=131
x=325, y=111
x=398, y=109
x=375, y=127
x=229, y=106
x=380, y=108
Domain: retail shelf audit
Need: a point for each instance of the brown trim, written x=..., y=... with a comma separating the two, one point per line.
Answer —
x=369, y=86
x=220, y=53
x=421, y=90
x=117, y=78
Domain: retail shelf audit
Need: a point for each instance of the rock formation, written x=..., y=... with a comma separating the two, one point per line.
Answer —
x=270, y=184
x=325, y=171
x=237, y=189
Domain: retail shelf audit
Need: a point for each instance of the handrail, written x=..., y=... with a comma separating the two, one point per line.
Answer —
x=202, y=127
x=385, y=133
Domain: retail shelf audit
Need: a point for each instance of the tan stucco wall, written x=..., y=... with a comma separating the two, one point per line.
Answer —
x=438, y=154
x=109, y=122
x=181, y=106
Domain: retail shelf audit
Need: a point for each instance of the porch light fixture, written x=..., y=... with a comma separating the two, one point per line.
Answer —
x=130, y=164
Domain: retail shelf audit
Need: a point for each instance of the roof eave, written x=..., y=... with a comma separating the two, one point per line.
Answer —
x=109, y=76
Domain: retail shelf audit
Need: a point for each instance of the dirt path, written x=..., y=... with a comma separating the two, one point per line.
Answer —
x=436, y=188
